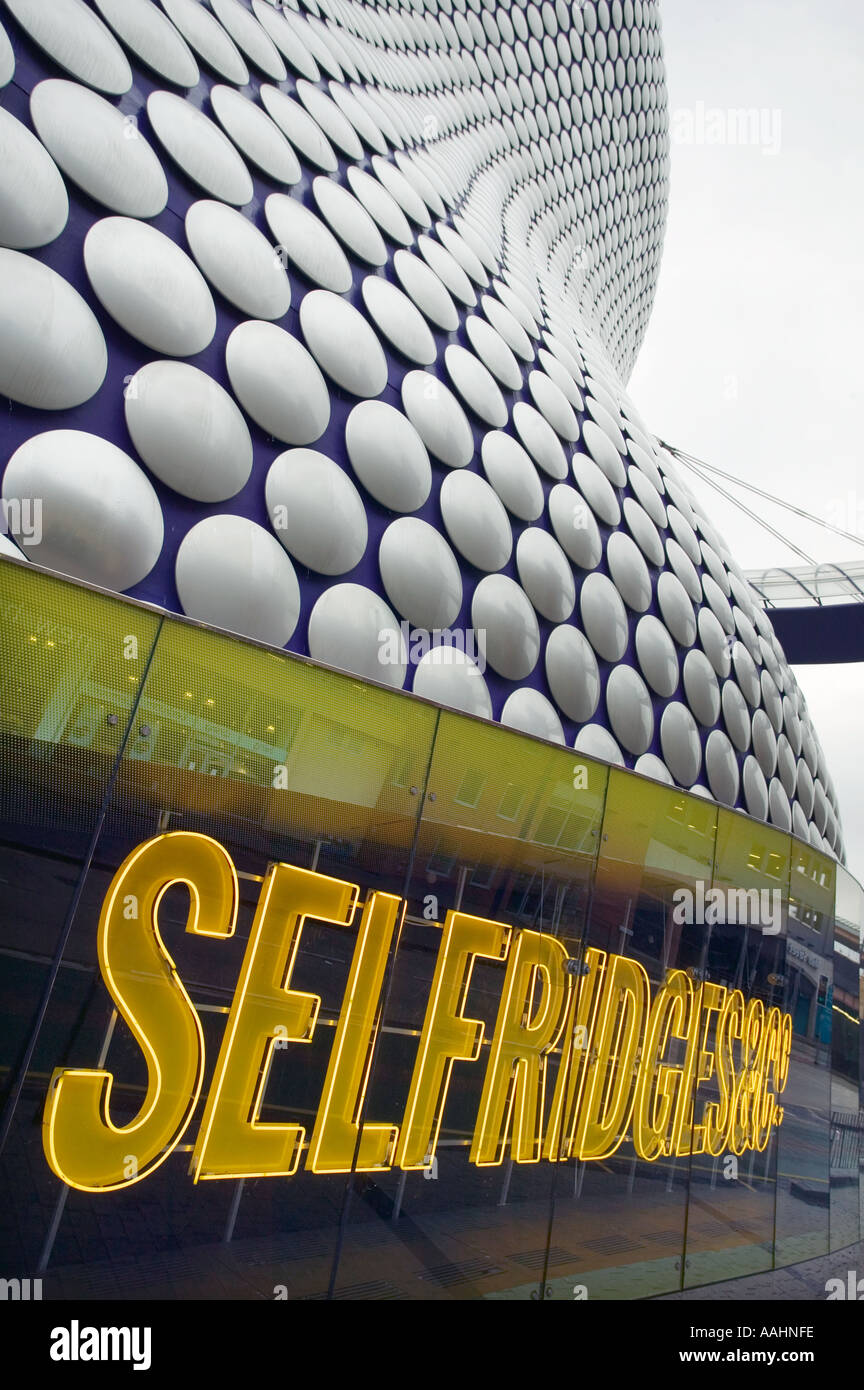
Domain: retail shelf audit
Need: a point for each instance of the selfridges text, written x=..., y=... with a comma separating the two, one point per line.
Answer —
x=579, y=1057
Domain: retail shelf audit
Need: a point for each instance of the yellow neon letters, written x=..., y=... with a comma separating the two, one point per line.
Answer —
x=447, y=1035
x=658, y=1085
x=610, y=1089
x=233, y=1141
x=335, y=1135
x=574, y=1066
x=529, y=1024
x=699, y=1070
x=82, y=1143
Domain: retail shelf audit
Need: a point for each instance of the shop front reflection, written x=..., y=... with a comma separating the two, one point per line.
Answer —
x=579, y=866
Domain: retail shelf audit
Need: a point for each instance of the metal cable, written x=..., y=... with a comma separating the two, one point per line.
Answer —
x=769, y=496
x=736, y=502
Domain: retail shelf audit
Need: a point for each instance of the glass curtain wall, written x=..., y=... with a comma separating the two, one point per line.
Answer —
x=467, y=1015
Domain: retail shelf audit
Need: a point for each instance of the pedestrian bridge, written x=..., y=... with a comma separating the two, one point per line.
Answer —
x=817, y=611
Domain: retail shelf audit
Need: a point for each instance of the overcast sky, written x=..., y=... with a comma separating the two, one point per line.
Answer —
x=752, y=359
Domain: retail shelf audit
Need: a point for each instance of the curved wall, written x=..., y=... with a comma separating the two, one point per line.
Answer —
x=317, y=327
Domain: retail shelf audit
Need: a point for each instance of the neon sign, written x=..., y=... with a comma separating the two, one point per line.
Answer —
x=615, y=1075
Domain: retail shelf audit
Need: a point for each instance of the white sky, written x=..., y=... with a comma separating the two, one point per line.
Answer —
x=752, y=359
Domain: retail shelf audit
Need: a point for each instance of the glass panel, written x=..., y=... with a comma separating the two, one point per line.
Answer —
x=407, y=880
x=71, y=664
x=845, y=1062
x=803, y=1194
x=730, y=1221
x=508, y=837
x=625, y=1208
x=276, y=762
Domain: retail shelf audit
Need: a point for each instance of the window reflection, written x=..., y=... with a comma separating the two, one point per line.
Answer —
x=730, y=1223
x=611, y=893
x=844, y=1026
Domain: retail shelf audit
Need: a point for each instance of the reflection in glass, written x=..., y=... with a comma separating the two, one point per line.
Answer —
x=730, y=1223
x=845, y=1030
x=801, y=1227
x=626, y=948
x=624, y=1217
x=506, y=836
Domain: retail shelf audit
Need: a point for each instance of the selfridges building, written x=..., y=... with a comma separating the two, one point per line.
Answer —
x=421, y=877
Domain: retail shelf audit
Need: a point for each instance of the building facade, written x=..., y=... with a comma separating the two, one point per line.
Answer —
x=354, y=621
